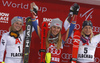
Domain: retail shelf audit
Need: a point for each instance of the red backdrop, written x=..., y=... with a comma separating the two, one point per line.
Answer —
x=47, y=11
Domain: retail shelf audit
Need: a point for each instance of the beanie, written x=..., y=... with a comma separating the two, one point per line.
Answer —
x=17, y=18
x=87, y=23
x=56, y=22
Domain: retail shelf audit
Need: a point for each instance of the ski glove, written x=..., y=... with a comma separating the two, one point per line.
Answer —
x=35, y=9
x=74, y=9
x=48, y=57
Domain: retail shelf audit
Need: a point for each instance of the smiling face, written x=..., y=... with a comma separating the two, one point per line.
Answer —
x=17, y=26
x=87, y=30
x=55, y=30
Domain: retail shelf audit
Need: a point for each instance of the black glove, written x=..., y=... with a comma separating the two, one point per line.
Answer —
x=42, y=50
x=74, y=9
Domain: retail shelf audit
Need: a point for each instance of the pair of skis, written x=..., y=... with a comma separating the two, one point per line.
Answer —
x=76, y=41
x=28, y=40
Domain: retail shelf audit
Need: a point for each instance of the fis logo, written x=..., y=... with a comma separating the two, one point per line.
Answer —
x=87, y=14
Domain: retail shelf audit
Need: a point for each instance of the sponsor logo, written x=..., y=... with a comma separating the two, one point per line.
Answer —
x=28, y=34
x=21, y=5
x=66, y=56
x=96, y=29
x=16, y=54
x=98, y=45
x=87, y=14
x=4, y=17
x=97, y=60
x=2, y=32
x=68, y=43
x=53, y=50
x=85, y=56
x=28, y=30
x=77, y=27
x=48, y=20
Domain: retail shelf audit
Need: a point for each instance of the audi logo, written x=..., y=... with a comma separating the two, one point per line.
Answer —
x=96, y=29
x=77, y=26
x=98, y=46
x=97, y=60
x=2, y=32
x=68, y=43
x=66, y=55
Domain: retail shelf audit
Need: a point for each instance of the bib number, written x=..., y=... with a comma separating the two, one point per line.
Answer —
x=85, y=50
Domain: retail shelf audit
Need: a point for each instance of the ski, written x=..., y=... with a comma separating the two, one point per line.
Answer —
x=44, y=30
x=27, y=39
x=76, y=41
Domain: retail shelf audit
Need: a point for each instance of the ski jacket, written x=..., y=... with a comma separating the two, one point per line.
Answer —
x=86, y=51
x=13, y=47
x=55, y=54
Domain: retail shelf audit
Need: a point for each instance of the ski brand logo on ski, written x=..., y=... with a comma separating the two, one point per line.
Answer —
x=44, y=30
x=27, y=39
x=28, y=30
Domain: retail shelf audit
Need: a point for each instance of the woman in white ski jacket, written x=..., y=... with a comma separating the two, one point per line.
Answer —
x=87, y=45
x=12, y=42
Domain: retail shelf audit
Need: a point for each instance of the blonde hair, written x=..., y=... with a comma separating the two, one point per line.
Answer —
x=83, y=34
x=59, y=40
x=11, y=28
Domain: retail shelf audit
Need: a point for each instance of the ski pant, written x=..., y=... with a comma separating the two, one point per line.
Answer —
x=13, y=60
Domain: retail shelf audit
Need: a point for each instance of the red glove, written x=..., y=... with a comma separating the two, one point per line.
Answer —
x=0, y=62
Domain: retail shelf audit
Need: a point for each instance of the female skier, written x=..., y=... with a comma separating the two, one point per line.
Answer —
x=87, y=45
x=12, y=42
x=54, y=41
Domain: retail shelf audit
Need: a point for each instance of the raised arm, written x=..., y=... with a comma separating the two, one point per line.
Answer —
x=34, y=9
x=70, y=21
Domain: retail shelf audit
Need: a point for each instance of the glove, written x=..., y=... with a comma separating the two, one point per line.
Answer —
x=35, y=8
x=74, y=9
x=48, y=57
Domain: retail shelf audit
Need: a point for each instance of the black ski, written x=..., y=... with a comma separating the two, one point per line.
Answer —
x=27, y=39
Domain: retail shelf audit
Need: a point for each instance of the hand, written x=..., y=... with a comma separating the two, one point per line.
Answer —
x=74, y=9
x=33, y=8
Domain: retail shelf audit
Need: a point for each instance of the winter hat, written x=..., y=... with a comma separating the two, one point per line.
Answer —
x=56, y=22
x=17, y=18
x=87, y=23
